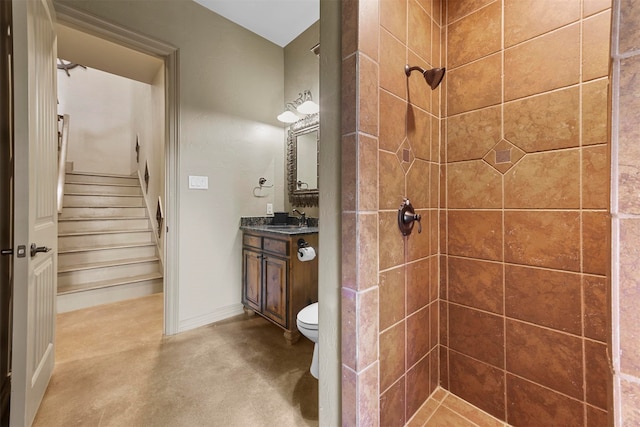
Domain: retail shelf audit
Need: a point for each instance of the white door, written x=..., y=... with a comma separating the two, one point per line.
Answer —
x=36, y=148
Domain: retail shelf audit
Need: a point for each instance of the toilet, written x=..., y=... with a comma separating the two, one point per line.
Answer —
x=307, y=321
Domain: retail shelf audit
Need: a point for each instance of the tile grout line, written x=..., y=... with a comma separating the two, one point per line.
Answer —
x=439, y=404
x=581, y=195
x=504, y=243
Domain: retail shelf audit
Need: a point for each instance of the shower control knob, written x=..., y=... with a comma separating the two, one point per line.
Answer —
x=413, y=217
x=407, y=218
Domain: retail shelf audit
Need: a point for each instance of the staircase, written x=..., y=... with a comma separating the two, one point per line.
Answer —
x=106, y=247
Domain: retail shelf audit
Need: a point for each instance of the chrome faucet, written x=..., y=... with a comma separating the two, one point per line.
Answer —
x=302, y=221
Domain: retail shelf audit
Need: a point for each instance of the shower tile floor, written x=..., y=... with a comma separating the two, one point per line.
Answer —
x=444, y=409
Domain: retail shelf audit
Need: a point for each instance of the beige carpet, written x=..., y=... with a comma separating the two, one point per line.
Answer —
x=114, y=368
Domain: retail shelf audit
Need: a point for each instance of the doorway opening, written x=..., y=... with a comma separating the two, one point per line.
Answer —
x=110, y=236
x=125, y=48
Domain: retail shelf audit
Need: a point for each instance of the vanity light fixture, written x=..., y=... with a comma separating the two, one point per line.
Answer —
x=307, y=106
x=288, y=116
x=303, y=105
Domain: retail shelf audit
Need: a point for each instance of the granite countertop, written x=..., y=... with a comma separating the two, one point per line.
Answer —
x=264, y=224
x=279, y=229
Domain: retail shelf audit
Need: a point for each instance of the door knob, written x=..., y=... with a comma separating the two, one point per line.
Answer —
x=35, y=249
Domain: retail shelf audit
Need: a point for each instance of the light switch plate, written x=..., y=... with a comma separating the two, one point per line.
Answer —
x=198, y=182
x=269, y=208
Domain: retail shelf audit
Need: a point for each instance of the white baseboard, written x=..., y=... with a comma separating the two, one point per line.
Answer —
x=85, y=299
x=217, y=315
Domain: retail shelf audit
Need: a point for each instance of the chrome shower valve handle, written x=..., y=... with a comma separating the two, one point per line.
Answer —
x=407, y=218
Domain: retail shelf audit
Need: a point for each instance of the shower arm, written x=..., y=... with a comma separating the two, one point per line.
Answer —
x=408, y=70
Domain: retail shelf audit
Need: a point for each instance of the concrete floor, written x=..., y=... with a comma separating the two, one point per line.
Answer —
x=114, y=368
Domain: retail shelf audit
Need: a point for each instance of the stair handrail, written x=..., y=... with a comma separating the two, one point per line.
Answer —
x=63, y=139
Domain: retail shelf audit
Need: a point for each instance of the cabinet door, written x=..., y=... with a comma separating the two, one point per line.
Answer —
x=252, y=279
x=275, y=289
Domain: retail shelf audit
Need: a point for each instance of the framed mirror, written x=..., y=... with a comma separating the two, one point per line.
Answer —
x=302, y=161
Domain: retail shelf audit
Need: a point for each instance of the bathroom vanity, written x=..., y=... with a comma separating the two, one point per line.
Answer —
x=275, y=284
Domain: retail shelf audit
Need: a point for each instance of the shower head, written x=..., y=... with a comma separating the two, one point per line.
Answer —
x=433, y=76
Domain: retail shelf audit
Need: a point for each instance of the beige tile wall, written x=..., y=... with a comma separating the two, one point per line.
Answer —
x=390, y=151
x=503, y=298
x=626, y=212
x=524, y=315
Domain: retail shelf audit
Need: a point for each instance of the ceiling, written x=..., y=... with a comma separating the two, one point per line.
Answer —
x=279, y=21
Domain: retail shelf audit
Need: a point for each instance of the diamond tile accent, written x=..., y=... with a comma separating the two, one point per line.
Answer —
x=503, y=156
x=405, y=155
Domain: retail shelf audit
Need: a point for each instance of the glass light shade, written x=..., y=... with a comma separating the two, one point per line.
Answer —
x=288, y=117
x=308, y=107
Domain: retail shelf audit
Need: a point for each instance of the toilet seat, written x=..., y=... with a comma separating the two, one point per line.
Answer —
x=308, y=317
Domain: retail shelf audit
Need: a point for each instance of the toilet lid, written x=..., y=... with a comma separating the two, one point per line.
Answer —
x=309, y=315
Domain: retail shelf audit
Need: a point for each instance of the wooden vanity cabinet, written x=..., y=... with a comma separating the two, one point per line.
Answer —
x=276, y=285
